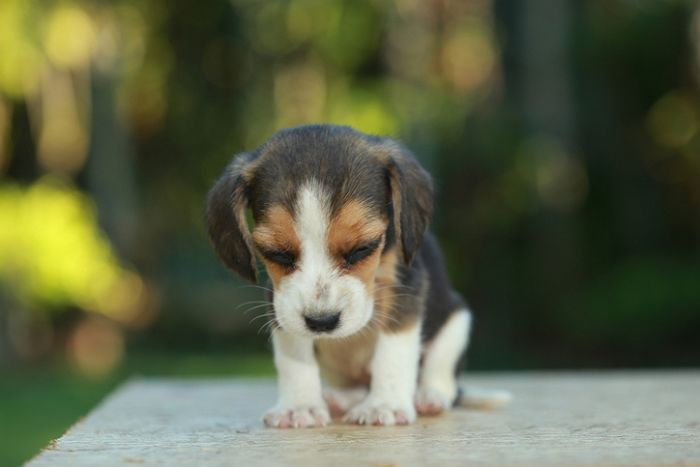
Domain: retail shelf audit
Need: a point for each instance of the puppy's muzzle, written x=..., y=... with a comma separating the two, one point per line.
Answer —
x=324, y=322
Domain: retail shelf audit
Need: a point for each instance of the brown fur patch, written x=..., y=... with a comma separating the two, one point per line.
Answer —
x=345, y=362
x=390, y=297
x=276, y=232
x=354, y=225
x=385, y=283
x=366, y=269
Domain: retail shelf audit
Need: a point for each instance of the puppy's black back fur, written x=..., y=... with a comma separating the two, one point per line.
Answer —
x=441, y=300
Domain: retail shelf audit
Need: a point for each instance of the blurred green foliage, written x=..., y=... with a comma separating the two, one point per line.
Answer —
x=51, y=252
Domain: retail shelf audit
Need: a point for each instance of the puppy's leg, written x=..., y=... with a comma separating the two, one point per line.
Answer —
x=300, y=401
x=394, y=370
x=437, y=388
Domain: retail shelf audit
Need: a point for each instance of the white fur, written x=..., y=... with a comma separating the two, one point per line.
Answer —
x=438, y=385
x=300, y=401
x=317, y=286
x=394, y=369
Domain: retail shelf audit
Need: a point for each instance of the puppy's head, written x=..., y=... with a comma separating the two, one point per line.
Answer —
x=329, y=206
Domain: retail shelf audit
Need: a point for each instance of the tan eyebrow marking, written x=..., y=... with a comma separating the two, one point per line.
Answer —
x=355, y=223
x=276, y=232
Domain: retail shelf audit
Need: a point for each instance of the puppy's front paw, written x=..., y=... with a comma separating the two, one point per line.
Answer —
x=385, y=413
x=282, y=416
x=433, y=400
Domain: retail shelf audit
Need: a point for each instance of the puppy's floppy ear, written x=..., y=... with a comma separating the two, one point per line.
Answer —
x=411, y=197
x=226, y=219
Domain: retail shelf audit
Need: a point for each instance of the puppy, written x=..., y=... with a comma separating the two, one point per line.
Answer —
x=360, y=292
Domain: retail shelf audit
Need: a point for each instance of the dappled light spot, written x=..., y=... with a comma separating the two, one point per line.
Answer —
x=409, y=51
x=95, y=347
x=129, y=300
x=366, y=110
x=468, y=56
x=123, y=41
x=691, y=150
x=69, y=37
x=63, y=135
x=300, y=94
x=560, y=179
x=144, y=104
x=307, y=19
x=673, y=119
x=20, y=60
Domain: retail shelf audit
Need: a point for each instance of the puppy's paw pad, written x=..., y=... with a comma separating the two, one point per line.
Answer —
x=433, y=401
x=297, y=417
x=382, y=414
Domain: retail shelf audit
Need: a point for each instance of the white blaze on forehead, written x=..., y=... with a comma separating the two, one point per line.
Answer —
x=311, y=225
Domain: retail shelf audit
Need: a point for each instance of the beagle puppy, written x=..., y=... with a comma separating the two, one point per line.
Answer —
x=359, y=289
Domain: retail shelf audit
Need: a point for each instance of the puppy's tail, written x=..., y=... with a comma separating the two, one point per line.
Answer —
x=485, y=399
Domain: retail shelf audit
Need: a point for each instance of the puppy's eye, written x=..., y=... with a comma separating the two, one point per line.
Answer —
x=285, y=259
x=360, y=252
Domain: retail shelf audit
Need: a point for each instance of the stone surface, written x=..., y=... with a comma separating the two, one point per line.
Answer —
x=555, y=418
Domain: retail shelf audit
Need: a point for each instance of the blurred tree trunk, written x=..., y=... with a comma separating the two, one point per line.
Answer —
x=109, y=173
x=538, y=71
x=546, y=98
x=545, y=92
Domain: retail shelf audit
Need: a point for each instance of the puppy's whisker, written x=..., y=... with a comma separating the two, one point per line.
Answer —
x=394, y=286
x=264, y=315
x=385, y=317
x=267, y=326
x=391, y=308
x=253, y=308
x=252, y=302
x=388, y=316
x=400, y=296
x=255, y=287
x=383, y=325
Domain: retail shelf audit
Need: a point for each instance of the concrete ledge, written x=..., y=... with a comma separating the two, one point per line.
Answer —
x=556, y=418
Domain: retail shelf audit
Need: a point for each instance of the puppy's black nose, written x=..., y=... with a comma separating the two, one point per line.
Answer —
x=323, y=323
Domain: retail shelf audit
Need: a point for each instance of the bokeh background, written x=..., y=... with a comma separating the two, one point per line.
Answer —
x=564, y=138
